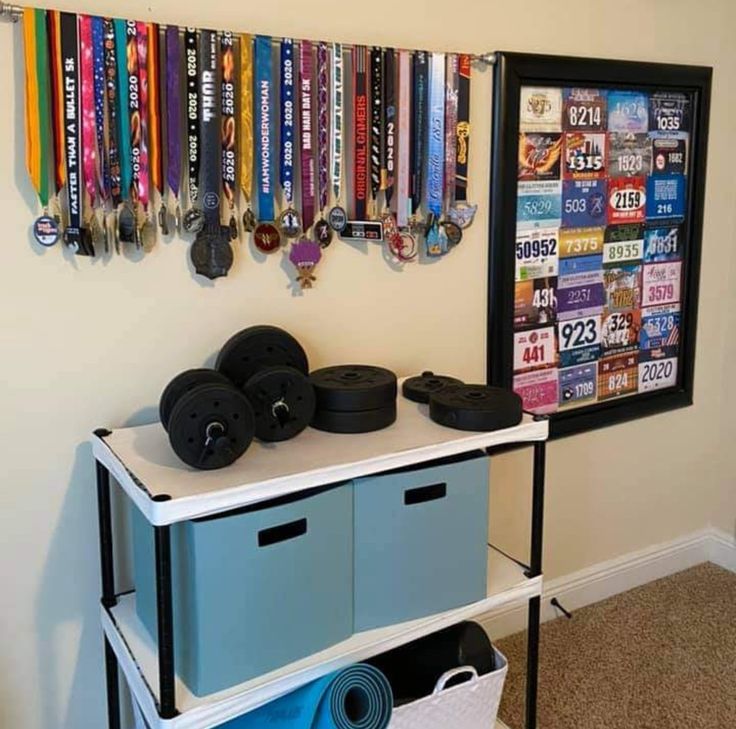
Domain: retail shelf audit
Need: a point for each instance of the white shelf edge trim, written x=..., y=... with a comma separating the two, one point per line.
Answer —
x=189, y=507
x=211, y=711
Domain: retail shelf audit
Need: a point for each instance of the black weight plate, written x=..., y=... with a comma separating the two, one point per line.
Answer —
x=475, y=407
x=217, y=410
x=257, y=348
x=418, y=389
x=283, y=402
x=359, y=421
x=184, y=382
x=348, y=388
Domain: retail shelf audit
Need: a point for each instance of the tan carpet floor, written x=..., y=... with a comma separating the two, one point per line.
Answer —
x=661, y=656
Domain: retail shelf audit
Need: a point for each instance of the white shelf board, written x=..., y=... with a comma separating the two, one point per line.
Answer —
x=144, y=464
x=138, y=658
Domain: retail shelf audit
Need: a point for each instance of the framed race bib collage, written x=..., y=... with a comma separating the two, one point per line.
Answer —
x=596, y=220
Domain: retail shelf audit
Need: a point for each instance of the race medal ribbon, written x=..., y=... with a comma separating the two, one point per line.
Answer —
x=227, y=107
x=76, y=236
x=53, y=27
x=89, y=133
x=461, y=213
x=211, y=253
x=451, y=108
x=404, y=145
x=337, y=216
x=98, y=53
x=436, y=243
x=420, y=70
x=360, y=133
x=376, y=124
x=322, y=230
x=134, y=112
x=306, y=77
x=45, y=228
x=144, y=173
x=173, y=116
x=289, y=221
x=155, y=92
x=194, y=218
x=266, y=237
x=246, y=129
x=123, y=82
x=388, y=166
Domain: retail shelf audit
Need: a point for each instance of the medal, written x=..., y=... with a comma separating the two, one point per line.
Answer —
x=360, y=133
x=76, y=237
x=173, y=119
x=267, y=238
x=305, y=255
x=323, y=232
x=453, y=232
x=246, y=129
x=228, y=134
x=362, y=231
x=461, y=212
x=45, y=228
x=337, y=218
x=306, y=72
x=290, y=223
x=193, y=220
x=211, y=253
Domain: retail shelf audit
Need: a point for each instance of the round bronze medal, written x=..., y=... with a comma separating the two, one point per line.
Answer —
x=211, y=252
x=337, y=218
x=453, y=232
x=290, y=223
x=249, y=221
x=323, y=232
x=267, y=238
x=126, y=225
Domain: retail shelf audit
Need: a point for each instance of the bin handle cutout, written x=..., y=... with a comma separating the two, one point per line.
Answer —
x=281, y=533
x=425, y=493
x=449, y=675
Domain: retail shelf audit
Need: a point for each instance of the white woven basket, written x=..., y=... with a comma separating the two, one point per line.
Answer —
x=471, y=705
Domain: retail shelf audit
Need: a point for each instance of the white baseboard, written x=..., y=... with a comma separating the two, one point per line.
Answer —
x=603, y=580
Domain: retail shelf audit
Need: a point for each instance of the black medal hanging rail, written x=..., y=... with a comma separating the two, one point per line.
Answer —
x=14, y=13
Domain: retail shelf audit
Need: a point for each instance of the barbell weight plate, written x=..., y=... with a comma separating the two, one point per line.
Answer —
x=475, y=407
x=184, y=382
x=359, y=421
x=419, y=388
x=257, y=348
x=283, y=402
x=350, y=388
x=211, y=426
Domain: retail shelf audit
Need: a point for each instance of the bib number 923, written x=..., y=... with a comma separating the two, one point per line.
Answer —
x=585, y=332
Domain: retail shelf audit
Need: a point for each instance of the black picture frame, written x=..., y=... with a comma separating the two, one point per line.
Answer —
x=514, y=70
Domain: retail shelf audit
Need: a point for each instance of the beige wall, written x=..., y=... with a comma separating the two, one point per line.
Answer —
x=87, y=344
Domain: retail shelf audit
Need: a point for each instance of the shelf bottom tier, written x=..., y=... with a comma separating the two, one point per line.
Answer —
x=138, y=657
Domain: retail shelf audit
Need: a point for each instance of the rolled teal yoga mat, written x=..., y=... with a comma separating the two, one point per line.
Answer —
x=358, y=697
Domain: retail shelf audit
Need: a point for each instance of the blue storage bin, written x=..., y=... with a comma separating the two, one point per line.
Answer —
x=253, y=589
x=421, y=540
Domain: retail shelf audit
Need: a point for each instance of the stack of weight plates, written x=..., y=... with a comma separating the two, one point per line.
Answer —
x=354, y=398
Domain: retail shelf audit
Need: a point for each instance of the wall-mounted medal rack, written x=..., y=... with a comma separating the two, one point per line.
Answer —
x=137, y=130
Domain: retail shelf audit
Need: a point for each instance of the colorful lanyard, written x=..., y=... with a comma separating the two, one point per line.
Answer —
x=155, y=108
x=228, y=132
x=463, y=129
x=451, y=110
x=193, y=139
x=123, y=81
x=420, y=72
x=436, y=142
x=98, y=51
x=76, y=237
x=403, y=202
x=89, y=133
x=173, y=114
x=37, y=101
x=264, y=85
x=53, y=25
x=376, y=121
x=360, y=132
x=388, y=168
x=306, y=74
x=336, y=128
x=210, y=128
x=134, y=108
x=112, y=148
x=323, y=91
x=246, y=126
x=143, y=177
x=286, y=161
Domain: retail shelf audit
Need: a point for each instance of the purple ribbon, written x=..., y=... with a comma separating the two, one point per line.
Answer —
x=306, y=73
x=323, y=88
x=173, y=109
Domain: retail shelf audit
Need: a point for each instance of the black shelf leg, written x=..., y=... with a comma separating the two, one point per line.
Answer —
x=104, y=516
x=532, y=665
x=165, y=612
